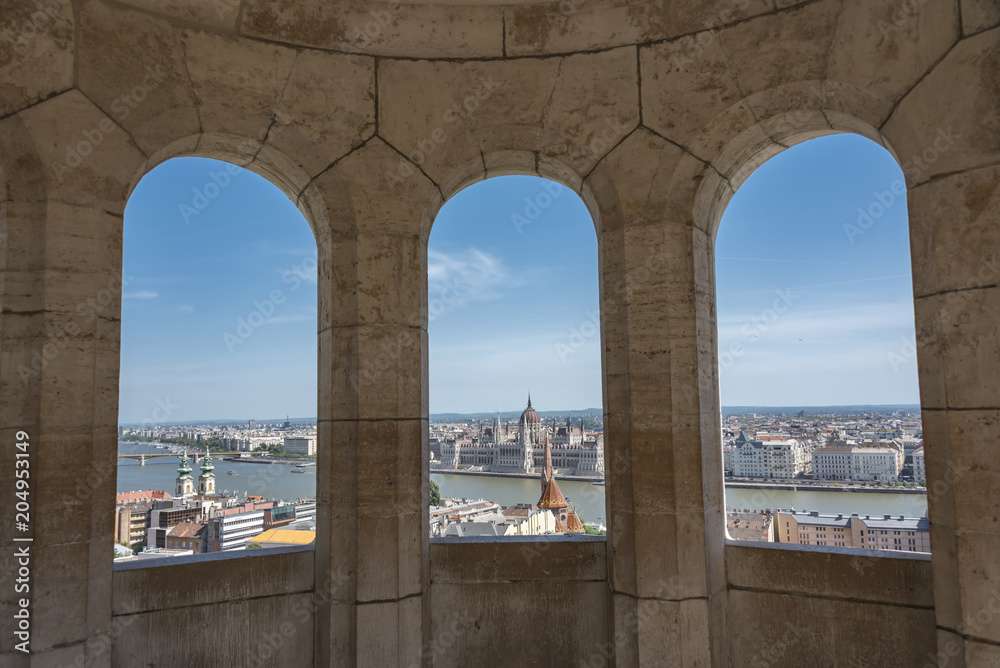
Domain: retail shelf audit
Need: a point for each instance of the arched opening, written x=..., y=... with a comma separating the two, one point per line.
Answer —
x=217, y=408
x=822, y=438
x=514, y=352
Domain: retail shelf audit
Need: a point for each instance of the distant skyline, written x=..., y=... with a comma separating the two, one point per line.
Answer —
x=513, y=293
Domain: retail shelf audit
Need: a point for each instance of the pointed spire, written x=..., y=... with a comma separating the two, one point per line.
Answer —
x=529, y=398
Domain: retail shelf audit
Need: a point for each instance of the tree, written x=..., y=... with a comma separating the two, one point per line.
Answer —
x=923, y=482
x=254, y=546
x=435, y=494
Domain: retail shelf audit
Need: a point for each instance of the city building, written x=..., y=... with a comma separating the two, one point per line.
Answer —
x=132, y=522
x=185, y=483
x=187, y=536
x=143, y=496
x=857, y=462
x=552, y=499
x=919, y=466
x=883, y=532
x=522, y=450
x=748, y=525
x=282, y=538
x=300, y=445
x=230, y=531
x=771, y=458
x=161, y=520
x=206, y=481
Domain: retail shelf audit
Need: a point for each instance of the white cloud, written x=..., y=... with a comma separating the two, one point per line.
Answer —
x=819, y=324
x=282, y=319
x=141, y=294
x=466, y=276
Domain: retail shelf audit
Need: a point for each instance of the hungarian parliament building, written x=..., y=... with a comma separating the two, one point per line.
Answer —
x=522, y=450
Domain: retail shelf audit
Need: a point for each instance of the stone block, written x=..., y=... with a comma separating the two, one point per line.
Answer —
x=885, y=47
x=950, y=121
x=88, y=159
x=132, y=66
x=388, y=29
x=36, y=59
x=326, y=110
x=238, y=83
x=978, y=15
x=954, y=232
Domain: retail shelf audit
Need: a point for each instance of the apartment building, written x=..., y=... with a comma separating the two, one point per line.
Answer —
x=854, y=462
x=780, y=459
x=878, y=532
x=919, y=467
x=300, y=445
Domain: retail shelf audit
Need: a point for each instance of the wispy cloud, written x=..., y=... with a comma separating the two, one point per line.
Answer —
x=186, y=308
x=871, y=320
x=141, y=294
x=467, y=276
x=282, y=319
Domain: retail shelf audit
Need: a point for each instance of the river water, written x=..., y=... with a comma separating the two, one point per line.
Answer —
x=276, y=481
x=272, y=481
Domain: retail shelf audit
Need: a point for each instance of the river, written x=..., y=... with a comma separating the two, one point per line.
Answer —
x=276, y=481
x=272, y=481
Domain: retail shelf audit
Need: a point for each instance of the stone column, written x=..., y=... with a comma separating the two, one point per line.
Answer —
x=375, y=552
x=947, y=136
x=666, y=542
x=60, y=297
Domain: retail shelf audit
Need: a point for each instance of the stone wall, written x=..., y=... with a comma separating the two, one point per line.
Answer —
x=369, y=116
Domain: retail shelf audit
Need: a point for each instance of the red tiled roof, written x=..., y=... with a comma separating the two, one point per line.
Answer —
x=573, y=523
x=186, y=530
x=552, y=497
x=129, y=497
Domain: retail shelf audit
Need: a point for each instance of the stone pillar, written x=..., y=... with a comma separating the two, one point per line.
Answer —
x=60, y=297
x=375, y=551
x=949, y=152
x=666, y=531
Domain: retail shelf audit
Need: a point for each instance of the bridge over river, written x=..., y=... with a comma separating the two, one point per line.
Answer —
x=141, y=457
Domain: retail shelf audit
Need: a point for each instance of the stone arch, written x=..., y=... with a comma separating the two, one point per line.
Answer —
x=755, y=145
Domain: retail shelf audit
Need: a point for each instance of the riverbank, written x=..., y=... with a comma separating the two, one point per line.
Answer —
x=221, y=455
x=499, y=474
x=310, y=461
x=824, y=487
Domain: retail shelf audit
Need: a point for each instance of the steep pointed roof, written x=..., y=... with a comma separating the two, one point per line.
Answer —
x=552, y=497
x=573, y=523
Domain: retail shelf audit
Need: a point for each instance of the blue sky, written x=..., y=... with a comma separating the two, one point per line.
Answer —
x=193, y=278
x=846, y=334
x=219, y=312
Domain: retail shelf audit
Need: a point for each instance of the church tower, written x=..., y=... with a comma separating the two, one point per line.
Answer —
x=206, y=481
x=185, y=483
